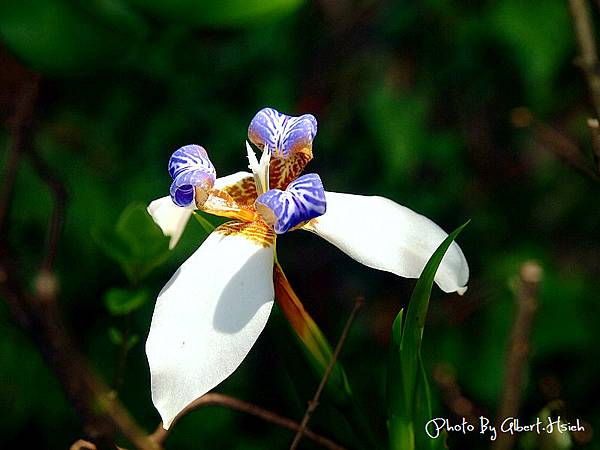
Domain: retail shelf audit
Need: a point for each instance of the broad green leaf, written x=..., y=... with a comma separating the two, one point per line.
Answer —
x=409, y=403
x=115, y=13
x=136, y=243
x=120, y=302
x=221, y=13
x=115, y=336
x=520, y=25
x=58, y=37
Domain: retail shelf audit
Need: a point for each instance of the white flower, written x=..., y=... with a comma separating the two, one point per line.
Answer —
x=211, y=312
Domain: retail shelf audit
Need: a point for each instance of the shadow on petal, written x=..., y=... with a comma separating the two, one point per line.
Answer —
x=241, y=299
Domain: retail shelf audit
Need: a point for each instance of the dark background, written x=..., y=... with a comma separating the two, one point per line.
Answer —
x=458, y=109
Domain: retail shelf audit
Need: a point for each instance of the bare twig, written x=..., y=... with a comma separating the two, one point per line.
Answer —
x=160, y=434
x=452, y=395
x=588, y=55
x=564, y=149
x=102, y=414
x=59, y=195
x=38, y=312
x=526, y=298
x=19, y=124
x=594, y=126
x=312, y=405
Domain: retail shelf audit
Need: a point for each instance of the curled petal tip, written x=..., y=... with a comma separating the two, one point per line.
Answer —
x=282, y=133
x=193, y=173
x=303, y=200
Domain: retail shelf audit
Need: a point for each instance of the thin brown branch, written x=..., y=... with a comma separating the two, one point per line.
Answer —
x=39, y=314
x=19, y=124
x=588, y=55
x=312, y=405
x=526, y=299
x=160, y=434
x=564, y=149
x=59, y=197
x=452, y=395
x=594, y=126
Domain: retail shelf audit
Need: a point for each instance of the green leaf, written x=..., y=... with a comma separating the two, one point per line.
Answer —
x=408, y=390
x=115, y=336
x=120, y=302
x=204, y=223
x=59, y=37
x=132, y=341
x=115, y=13
x=136, y=243
x=221, y=13
x=540, y=59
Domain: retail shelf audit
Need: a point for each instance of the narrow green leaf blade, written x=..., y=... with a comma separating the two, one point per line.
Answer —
x=408, y=395
x=204, y=223
x=412, y=334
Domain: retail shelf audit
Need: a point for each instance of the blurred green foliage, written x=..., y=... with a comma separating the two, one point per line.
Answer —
x=416, y=101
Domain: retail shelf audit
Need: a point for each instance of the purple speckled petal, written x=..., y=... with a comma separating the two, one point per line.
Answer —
x=304, y=199
x=190, y=167
x=283, y=134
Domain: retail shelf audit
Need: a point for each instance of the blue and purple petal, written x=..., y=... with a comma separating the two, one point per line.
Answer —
x=190, y=168
x=290, y=140
x=283, y=134
x=304, y=199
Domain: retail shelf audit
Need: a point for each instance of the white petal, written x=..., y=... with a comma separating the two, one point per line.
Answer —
x=207, y=318
x=230, y=180
x=171, y=218
x=382, y=234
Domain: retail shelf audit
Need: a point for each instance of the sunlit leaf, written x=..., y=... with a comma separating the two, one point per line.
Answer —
x=120, y=302
x=221, y=13
x=59, y=37
x=136, y=243
x=409, y=403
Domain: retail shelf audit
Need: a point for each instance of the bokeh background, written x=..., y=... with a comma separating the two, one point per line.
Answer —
x=458, y=109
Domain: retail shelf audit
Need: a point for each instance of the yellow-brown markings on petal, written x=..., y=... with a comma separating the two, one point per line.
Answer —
x=256, y=232
x=282, y=171
x=220, y=203
x=243, y=192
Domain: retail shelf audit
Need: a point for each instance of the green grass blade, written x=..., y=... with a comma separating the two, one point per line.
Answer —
x=409, y=405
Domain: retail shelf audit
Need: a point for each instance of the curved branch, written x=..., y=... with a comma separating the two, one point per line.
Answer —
x=160, y=434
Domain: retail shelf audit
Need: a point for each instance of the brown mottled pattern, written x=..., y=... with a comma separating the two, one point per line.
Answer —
x=220, y=203
x=243, y=192
x=282, y=171
x=254, y=231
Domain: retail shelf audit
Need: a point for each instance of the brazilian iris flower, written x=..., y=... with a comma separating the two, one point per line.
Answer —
x=211, y=312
